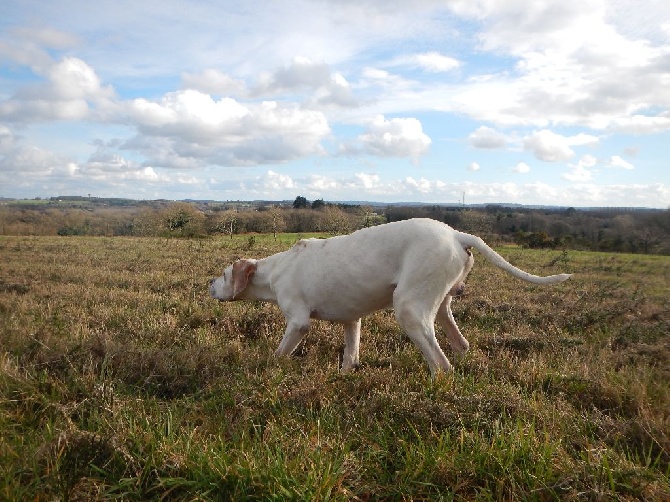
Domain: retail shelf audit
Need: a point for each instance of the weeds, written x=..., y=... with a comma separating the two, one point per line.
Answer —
x=121, y=379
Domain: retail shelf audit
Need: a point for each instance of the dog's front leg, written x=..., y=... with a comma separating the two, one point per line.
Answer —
x=296, y=329
x=352, y=341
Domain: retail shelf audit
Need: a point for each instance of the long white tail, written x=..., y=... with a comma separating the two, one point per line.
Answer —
x=469, y=241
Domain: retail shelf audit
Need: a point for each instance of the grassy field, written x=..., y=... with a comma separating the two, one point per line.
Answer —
x=121, y=379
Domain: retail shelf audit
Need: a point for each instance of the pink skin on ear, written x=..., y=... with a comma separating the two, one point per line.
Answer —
x=243, y=270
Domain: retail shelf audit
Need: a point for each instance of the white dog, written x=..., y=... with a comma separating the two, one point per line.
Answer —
x=414, y=266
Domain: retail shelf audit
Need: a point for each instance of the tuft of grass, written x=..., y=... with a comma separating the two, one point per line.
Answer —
x=121, y=379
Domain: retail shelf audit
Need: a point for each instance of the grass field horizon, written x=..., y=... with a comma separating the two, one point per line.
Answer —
x=121, y=379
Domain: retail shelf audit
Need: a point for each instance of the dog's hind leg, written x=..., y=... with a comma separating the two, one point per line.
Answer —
x=446, y=319
x=419, y=326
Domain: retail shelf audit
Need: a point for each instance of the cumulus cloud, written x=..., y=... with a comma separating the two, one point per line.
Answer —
x=387, y=87
x=32, y=46
x=547, y=146
x=193, y=125
x=432, y=62
x=330, y=88
x=487, y=138
x=619, y=163
x=185, y=128
x=70, y=92
x=641, y=124
x=105, y=162
x=318, y=184
x=275, y=181
x=580, y=193
x=578, y=63
x=367, y=181
x=7, y=139
x=107, y=166
x=246, y=100
x=436, y=62
x=521, y=168
x=423, y=185
x=213, y=81
x=581, y=172
x=397, y=137
x=474, y=167
x=32, y=167
x=32, y=161
x=552, y=147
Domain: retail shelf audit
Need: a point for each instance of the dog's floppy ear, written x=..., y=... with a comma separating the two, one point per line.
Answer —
x=243, y=270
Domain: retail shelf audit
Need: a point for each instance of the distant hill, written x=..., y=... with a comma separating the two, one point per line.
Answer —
x=119, y=201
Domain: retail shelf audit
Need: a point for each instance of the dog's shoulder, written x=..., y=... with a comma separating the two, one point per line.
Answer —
x=303, y=244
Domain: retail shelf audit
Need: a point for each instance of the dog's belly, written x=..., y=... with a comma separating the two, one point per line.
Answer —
x=339, y=308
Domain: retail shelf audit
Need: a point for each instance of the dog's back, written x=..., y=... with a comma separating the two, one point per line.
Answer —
x=347, y=277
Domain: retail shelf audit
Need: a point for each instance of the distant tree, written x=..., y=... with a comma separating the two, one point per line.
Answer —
x=278, y=223
x=335, y=221
x=300, y=202
x=318, y=203
x=226, y=222
x=183, y=219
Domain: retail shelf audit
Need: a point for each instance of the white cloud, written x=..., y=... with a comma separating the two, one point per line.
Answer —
x=33, y=161
x=642, y=124
x=319, y=184
x=580, y=172
x=617, y=162
x=211, y=81
x=302, y=73
x=473, y=166
x=103, y=161
x=32, y=166
x=386, y=87
x=245, y=99
x=276, y=181
x=423, y=185
x=329, y=88
x=397, y=137
x=106, y=166
x=185, y=179
x=552, y=147
x=7, y=139
x=632, y=151
x=71, y=79
x=432, y=62
x=547, y=146
x=578, y=63
x=192, y=125
x=487, y=138
x=436, y=62
x=71, y=91
x=521, y=168
x=367, y=181
x=188, y=107
x=32, y=46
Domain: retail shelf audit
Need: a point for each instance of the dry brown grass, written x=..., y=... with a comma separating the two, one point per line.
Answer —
x=120, y=378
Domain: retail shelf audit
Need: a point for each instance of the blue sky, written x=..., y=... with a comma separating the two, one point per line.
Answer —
x=533, y=102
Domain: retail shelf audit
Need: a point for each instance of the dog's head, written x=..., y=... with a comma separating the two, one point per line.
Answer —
x=234, y=281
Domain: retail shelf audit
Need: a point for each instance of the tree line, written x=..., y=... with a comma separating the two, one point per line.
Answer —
x=605, y=230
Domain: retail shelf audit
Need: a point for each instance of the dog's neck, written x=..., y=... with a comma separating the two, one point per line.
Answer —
x=259, y=287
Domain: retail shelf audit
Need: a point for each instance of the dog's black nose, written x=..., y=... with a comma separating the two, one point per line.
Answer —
x=211, y=281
